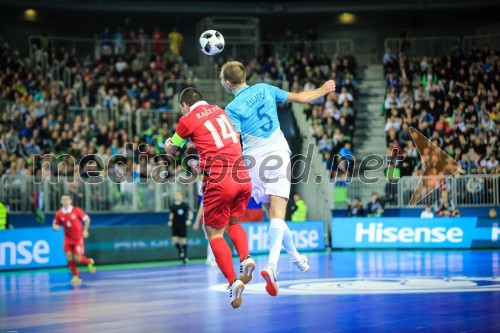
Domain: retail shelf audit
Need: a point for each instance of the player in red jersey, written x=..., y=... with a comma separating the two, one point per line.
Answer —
x=226, y=183
x=71, y=218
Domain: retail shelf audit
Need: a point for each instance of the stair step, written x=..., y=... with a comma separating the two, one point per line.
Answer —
x=369, y=137
x=372, y=135
x=371, y=143
x=379, y=91
x=373, y=85
x=374, y=119
x=376, y=126
x=371, y=108
x=374, y=75
x=374, y=66
x=376, y=72
x=370, y=100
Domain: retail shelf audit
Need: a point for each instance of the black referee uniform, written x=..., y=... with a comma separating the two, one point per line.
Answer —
x=181, y=213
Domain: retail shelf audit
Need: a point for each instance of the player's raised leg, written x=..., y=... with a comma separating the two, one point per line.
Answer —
x=279, y=234
x=240, y=240
x=277, y=211
x=224, y=259
x=86, y=261
x=275, y=235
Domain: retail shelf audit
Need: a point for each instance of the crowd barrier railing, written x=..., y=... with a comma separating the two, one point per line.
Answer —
x=474, y=190
x=27, y=194
x=421, y=46
x=493, y=40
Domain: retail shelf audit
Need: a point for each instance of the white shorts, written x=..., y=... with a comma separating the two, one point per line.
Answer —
x=269, y=179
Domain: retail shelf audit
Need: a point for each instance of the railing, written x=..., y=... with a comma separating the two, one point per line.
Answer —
x=327, y=46
x=147, y=118
x=98, y=114
x=23, y=193
x=38, y=43
x=465, y=190
x=96, y=46
x=422, y=46
x=493, y=40
x=246, y=51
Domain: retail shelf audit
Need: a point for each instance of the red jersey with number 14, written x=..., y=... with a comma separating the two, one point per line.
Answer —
x=214, y=135
x=72, y=222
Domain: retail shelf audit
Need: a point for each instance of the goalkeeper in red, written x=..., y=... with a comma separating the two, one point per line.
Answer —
x=226, y=183
x=76, y=227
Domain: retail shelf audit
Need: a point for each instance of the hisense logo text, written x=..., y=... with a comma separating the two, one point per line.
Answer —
x=24, y=252
x=377, y=233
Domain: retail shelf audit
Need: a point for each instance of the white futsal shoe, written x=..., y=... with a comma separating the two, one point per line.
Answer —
x=236, y=293
x=247, y=267
x=302, y=264
x=269, y=274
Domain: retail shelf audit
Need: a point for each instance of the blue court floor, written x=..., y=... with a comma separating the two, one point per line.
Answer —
x=366, y=291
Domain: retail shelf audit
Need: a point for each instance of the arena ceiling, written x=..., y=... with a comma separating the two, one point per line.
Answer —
x=248, y=7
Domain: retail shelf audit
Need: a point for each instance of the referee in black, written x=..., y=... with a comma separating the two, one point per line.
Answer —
x=181, y=216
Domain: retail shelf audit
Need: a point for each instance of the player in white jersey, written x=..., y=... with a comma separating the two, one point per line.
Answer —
x=254, y=114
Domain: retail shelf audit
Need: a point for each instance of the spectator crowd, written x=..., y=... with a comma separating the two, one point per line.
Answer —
x=92, y=109
x=92, y=112
x=452, y=100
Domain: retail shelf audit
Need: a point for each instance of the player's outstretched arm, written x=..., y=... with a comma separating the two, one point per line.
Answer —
x=311, y=95
x=55, y=227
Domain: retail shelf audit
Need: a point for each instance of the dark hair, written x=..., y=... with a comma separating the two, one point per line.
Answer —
x=190, y=96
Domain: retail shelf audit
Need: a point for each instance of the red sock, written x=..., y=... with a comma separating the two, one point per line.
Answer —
x=223, y=258
x=84, y=260
x=239, y=238
x=72, y=268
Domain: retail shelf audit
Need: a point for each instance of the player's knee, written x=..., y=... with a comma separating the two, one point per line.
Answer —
x=276, y=213
x=233, y=220
x=277, y=207
x=214, y=233
x=78, y=257
x=69, y=256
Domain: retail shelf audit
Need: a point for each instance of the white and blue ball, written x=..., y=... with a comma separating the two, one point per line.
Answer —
x=211, y=42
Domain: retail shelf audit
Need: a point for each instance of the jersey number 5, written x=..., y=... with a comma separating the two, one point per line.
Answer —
x=226, y=128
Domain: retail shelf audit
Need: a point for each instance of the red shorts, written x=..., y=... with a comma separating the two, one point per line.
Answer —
x=75, y=247
x=223, y=199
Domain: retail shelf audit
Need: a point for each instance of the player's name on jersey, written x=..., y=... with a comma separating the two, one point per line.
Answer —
x=207, y=112
x=254, y=99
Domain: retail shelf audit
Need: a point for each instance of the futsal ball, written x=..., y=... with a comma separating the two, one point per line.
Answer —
x=211, y=42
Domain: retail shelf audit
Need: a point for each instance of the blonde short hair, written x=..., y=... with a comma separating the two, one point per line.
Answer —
x=234, y=72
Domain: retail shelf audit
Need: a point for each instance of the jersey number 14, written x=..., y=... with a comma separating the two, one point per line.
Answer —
x=226, y=128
